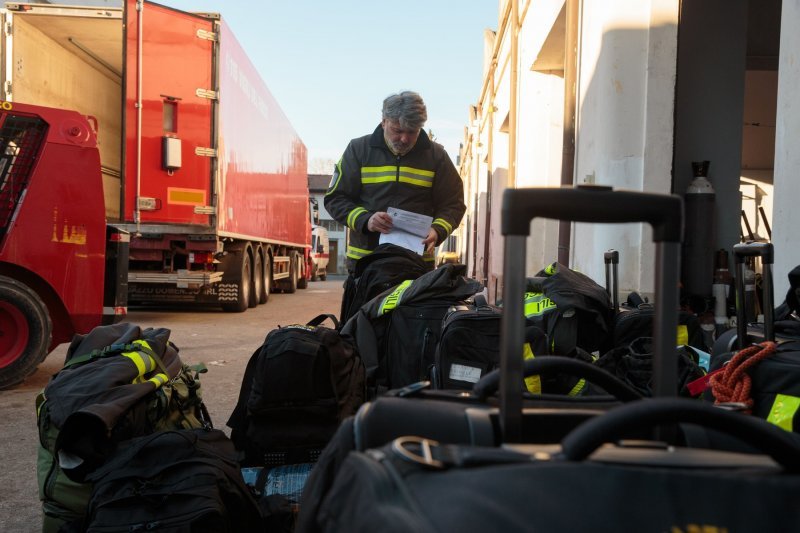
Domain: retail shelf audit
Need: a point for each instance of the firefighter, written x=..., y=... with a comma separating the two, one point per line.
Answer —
x=397, y=165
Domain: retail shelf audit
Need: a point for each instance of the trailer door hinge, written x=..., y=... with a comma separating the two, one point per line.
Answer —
x=206, y=93
x=207, y=35
x=207, y=152
x=204, y=210
x=8, y=29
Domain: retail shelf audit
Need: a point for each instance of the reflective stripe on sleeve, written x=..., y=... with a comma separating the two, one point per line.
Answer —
x=444, y=224
x=357, y=253
x=353, y=216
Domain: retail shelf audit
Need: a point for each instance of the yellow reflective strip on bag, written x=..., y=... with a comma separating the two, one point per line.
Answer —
x=532, y=383
x=577, y=388
x=537, y=303
x=159, y=379
x=683, y=335
x=551, y=269
x=783, y=410
x=391, y=301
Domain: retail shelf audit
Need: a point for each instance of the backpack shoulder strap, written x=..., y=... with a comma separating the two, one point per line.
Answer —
x=238, y=419
x=319, y=319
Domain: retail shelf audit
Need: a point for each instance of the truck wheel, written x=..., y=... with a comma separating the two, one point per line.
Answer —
x=291, y=285
x=25, y=331
x=323, y=276
x=236, y=287
x=266, y=279
x=302, y=280
x=257, y=281
x=314, y=269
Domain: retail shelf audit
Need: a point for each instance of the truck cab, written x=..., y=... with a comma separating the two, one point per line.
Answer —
x=320, y=248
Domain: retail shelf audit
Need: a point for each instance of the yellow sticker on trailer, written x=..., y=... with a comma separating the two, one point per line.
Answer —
x=179, y=196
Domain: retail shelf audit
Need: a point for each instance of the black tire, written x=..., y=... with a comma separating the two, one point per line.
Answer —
x=236, y=282
x=255, y=281
x=25, y=332
x=302, y=280
x=314, y=276
x=291, y=282
x=323, y=276
x=266, y=279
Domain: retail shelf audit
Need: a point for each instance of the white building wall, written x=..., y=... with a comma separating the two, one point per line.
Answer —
x=786, y=215
x=626, y=92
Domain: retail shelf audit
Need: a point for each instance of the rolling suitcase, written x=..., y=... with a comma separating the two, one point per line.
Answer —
x=415, y=483
x=762, y=376
x=755, y=332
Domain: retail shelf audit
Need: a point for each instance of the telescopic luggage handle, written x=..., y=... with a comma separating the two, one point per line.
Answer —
x=765, y=251
x=663, y=212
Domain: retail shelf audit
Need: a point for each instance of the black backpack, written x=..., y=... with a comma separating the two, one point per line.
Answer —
x=397, y=331
x=99, y=399
x=635, y=317
x=572, y=309
x=298, y=386
x=173, y=481
x=386, y=267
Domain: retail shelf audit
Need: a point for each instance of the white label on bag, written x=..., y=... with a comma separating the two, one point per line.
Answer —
x=465, y=373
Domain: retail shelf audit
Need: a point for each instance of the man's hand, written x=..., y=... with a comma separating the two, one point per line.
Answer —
x=430, y=240
x=380, y=222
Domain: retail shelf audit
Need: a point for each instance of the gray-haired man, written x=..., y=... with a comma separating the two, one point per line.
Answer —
x=395, y=166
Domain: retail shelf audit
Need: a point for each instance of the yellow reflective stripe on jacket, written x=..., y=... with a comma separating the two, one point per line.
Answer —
x=357, y=253
x=550, y=269
x=445, y=224
x=414, y=176
x=532, y=383
x=783, y=410
x=144, y=363
x=382, y=174
x=537, y=303
x=159, y=379
x=393, y=299
x=387, y=173
x=354, y=214
x=683, y=335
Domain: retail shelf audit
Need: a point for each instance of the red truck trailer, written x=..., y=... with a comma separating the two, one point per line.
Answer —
x=199, y=167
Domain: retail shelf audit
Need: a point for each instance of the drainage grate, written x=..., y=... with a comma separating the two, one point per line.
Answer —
x=21, y=139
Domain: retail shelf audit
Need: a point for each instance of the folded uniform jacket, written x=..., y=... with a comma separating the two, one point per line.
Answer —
x=96, y=400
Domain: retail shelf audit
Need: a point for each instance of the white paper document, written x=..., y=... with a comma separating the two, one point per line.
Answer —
x=408, y=229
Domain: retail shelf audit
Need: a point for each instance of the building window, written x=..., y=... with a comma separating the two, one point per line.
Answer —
x=332, y=225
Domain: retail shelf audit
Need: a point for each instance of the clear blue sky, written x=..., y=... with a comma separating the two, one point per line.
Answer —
x=330, y=64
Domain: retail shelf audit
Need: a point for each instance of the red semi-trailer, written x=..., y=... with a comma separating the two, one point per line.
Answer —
x=197, y=189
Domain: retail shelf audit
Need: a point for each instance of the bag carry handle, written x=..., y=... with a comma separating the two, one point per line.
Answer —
x=319, y=319
x=602, y=204
x=780, y=445
x=620, y=390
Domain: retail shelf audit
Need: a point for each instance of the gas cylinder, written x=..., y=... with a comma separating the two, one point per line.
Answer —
x=697, y=269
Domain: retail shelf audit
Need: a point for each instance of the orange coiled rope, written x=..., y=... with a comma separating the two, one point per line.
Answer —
x=733, y=383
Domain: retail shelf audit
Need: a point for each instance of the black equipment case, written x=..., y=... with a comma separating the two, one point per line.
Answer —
x=416, y=483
